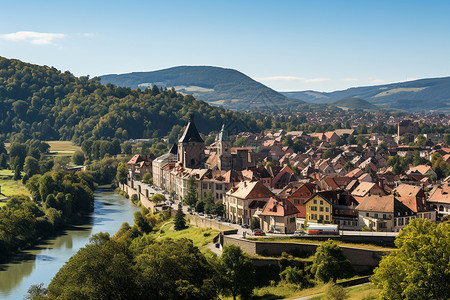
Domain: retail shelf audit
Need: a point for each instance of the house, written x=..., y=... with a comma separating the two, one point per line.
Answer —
x=365, y=189
x=383, y=213
x=278, y=215
x=425, y=170
x=439, y=199
x=242, y=200
x=297, y=193
x=319, y=209
x=140, y=164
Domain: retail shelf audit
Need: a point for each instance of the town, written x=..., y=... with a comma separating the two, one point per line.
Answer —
x=358, y=182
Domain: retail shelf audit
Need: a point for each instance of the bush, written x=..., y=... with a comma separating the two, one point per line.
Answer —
x=336, y=292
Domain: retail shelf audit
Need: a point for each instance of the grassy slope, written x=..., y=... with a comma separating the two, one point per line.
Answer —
x=200, y=236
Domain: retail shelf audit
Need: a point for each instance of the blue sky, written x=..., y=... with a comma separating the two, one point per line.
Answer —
x=287, y=45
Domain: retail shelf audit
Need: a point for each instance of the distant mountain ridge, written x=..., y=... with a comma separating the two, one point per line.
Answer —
x=218, y=86
x=424, y=95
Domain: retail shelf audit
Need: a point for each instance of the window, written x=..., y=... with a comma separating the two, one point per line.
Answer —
x=321, y=208
x=376, y=216
x=315, y=201
x=218, y=186
x=320, y=217
x=321, y=202
x=326, y=209
x=313, y=208
x=326, y=218
x=384, y=216
x=367, y=214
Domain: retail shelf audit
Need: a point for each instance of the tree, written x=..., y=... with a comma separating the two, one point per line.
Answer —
x=419, y=269
x=329, y=263
x=101, y=270
x=78, y=158
x=122, y=173
x=17, y=174
x=158, y=198
x=174, y=269
x=256, y=224
x=147, y=178
x=36, y=292
x=237, y=271
x=191, y=197
x=180, y=221
x=31, y=166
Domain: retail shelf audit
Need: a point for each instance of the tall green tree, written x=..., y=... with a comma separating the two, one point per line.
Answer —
x=330, y=263
x=237, y=272
x=420, y=268
x=122, y=173
x=191, y=197
x=180, y=221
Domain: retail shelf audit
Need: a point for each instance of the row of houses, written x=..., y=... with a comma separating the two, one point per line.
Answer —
x=354, y=188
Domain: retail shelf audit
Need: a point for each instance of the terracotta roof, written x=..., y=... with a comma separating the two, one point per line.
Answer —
x=255, y=189
x=440, y=194
x=363, y=189
x=355, y=173
x=279, y=208
x=407, y=190
x=384, y=204
x=422, y=169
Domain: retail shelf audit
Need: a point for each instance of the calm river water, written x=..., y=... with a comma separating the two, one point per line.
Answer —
x=41, y=264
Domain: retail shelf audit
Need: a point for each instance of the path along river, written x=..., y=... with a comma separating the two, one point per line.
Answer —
x=43, y=262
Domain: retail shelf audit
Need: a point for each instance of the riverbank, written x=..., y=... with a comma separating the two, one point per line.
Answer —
x=40, y=263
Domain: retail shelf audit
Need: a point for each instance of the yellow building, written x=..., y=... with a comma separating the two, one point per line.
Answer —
x=319, y=209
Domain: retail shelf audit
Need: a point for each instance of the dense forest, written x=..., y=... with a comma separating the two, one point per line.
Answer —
x=40, y=102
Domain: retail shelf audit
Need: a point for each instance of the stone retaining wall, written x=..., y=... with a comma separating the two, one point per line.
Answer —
x=361, y=259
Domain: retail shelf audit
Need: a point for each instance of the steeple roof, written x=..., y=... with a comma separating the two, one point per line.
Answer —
x=191, y=133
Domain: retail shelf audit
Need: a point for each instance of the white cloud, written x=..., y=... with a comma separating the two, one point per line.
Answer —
x=350, y=79
x=292, y=78
x=36, y=38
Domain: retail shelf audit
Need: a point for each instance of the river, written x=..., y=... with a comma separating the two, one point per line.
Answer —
x=40, y=264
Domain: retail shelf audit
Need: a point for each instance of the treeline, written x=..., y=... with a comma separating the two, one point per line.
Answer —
x=58, y=197
x=134, y=265
x=39, y=102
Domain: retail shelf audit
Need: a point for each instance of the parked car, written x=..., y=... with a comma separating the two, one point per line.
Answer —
x=201, y=214
x=299, y=232
x=245, y=226
x=258, y=232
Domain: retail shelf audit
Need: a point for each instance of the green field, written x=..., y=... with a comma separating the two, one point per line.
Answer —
x=59, y=148
x=9, y=187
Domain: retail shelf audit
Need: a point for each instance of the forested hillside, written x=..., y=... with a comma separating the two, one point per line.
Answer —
x=43, y=103
x=227, y=88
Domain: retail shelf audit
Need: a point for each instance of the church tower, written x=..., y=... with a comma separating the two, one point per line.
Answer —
x=191, y=147
x=223, y=149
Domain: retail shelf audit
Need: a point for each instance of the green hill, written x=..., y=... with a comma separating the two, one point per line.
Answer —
x=424, y=95
x=227, y=88
x=355, y=103
x=43, y=103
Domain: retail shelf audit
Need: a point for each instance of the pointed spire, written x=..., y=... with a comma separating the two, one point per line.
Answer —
x=191, y=133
